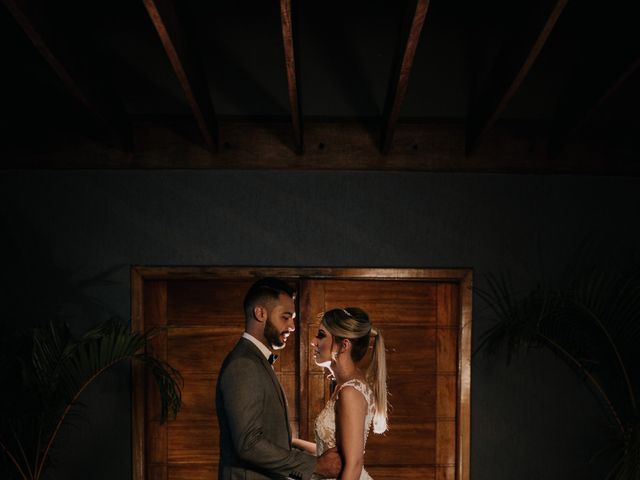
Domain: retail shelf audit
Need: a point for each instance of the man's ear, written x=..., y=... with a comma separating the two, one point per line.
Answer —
x=260, y=313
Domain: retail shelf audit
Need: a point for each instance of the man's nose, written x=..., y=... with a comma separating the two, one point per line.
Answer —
x=292, y=325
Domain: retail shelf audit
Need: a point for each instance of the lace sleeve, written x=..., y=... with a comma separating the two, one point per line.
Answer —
x=358, y=385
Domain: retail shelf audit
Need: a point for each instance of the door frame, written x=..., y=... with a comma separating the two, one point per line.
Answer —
x=462, y=276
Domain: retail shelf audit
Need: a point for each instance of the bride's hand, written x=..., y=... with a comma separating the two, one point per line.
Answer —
x=308, y=447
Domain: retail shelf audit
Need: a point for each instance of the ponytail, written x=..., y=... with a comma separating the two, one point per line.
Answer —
x=377, y=378
x=353, y=323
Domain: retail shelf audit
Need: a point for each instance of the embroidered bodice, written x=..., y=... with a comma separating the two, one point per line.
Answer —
x=326, y=421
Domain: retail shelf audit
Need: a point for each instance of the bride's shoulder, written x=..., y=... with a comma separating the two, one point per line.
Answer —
x=351, y=400
x=355, y=385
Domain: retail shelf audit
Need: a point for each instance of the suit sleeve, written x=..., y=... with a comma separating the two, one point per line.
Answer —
x=243, y=388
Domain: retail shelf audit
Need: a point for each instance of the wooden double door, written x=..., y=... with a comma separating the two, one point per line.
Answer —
x=425, y=318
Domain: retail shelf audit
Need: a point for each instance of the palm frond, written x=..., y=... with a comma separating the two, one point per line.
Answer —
x=60, y=369
x=627, y=465
x=612, y=304
x=593, y=325
x=517, y=317
x=50, y=345
x=169, y=382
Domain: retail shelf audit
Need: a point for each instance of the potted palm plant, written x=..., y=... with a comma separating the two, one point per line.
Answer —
x=44, y=366
x=592, y=323
x=44, y=372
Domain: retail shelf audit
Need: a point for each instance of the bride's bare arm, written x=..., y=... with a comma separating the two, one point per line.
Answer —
x=351, y=410
x=308, y=447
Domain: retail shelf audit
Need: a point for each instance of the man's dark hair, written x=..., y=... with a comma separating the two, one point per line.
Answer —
x=265, y=289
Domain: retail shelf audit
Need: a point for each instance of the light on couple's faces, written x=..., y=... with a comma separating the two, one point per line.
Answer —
x=321, y=346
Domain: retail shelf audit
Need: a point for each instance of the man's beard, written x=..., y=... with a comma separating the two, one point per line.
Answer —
x=272, y=335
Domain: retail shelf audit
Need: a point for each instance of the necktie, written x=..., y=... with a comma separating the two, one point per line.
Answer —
x=272, y=358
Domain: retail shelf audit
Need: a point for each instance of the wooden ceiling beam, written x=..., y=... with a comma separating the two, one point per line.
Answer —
x=190, y=74
x=292, y=75
x=402, y=70
x=89, y=91
x=518, y=55
x=423, y=145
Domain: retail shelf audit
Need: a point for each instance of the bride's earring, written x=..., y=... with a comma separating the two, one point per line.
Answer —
x=334, y=356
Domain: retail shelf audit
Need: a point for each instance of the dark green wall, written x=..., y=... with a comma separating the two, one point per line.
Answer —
x=534, y=420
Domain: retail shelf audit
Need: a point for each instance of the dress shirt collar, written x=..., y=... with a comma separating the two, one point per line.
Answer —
x=265, y=351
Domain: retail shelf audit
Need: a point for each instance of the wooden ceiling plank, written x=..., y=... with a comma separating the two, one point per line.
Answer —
x=292, y=75
x=108, y=110
x=191, y=77
x=402, y=70
x=518, y=55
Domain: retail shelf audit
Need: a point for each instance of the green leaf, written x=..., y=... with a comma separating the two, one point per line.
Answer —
x=58, y=369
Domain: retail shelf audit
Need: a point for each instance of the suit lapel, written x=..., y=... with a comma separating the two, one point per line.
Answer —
x=269, y=371
x=279, y=389
x=276, y=382
x=283, y=399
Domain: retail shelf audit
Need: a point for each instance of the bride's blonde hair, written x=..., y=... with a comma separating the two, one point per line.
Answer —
x=353, y=323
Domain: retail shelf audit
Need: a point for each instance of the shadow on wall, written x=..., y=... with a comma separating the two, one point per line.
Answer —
x=35, y=295
x=45, y=368
x=589, y=319
x=34, y=290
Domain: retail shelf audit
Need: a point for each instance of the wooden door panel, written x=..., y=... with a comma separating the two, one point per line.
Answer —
x=192, y=472
x=447, y=395
x=445, y=451
x=410, y=349
x=403, y=473
x=412, y=402
x=447, y=350
x=201, y=349
x=156, y=472
x=421, y=344
x=204, y=320
x=192, y=443
x=445, y=473
x=156, y=440
x=406, y=444
x=207, y=303
x=197, y=404
x=386, y=302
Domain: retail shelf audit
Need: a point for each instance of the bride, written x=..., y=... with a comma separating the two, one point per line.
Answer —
x=360, y=397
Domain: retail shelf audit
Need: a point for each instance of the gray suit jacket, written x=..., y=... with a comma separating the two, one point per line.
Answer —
x=255, y=437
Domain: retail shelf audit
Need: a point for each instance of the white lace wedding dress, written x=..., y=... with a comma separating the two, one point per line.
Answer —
x=326, y=421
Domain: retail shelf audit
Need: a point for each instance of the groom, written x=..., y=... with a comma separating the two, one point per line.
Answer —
x=255, y=436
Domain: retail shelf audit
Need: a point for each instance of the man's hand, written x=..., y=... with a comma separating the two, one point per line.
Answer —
x=329, y=464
